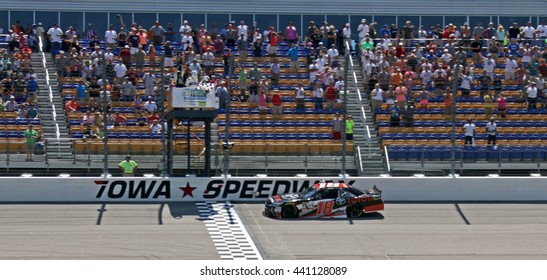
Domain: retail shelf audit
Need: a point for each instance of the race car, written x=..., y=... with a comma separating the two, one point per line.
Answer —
x=325, y=200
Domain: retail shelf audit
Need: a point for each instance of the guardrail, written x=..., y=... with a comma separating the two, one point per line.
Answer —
x=429, y=159
x=386, y=157
x=359, y=161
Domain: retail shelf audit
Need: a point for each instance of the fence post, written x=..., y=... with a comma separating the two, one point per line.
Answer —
x=8, y=154
x=306, y=151
x=45, y=152
x=499, y=161
x=266, y=163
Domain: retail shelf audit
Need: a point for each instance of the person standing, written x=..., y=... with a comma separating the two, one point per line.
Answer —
x=158, y=32
x=337, y=127
x=110, y=37
x=30, y=141
x=55, y=36
x=532, y=96
x=349, y=128
x=128, y=167
x=469, y=129
x=491, y=129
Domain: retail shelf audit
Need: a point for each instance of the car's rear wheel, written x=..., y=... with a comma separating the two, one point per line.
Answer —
x=289, y=211
x=354, y=211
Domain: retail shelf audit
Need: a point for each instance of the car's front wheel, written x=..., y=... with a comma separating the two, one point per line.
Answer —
x=354, y=211
x=289, y=211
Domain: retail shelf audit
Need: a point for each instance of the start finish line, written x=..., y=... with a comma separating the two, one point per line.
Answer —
x=254, y=189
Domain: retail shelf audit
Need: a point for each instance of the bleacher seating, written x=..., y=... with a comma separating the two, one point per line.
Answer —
x=250, y=131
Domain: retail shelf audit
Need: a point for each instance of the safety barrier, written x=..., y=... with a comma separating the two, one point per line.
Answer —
x=257, y=189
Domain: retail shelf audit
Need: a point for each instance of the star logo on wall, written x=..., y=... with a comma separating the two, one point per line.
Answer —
x=187, y=190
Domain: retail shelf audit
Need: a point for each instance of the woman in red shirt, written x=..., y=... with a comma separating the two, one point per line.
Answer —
x=277, y=109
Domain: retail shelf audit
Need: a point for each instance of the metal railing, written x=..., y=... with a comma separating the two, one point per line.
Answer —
x=472, y=160
x=76, y=156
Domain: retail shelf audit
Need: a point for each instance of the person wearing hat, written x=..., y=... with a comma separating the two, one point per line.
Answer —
x=310, y=30
x=242, y=29
x=128, y=167
x=532, y=96
x=363, y=30
x=346, y=32
x=491, y=129
x=489, y=66
x=465, y=34
x=277, y=108
x=469, y=132
x=325, y=30
x=315, y=38
x=158, y=32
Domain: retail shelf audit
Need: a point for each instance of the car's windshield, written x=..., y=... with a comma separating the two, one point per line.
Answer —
x=309, y=192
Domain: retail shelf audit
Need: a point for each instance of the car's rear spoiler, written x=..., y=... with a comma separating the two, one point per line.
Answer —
x=377, y=190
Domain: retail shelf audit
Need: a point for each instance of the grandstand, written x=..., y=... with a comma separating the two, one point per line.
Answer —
x=298, y=141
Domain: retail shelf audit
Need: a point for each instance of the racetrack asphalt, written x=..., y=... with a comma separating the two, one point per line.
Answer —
x=175, y=231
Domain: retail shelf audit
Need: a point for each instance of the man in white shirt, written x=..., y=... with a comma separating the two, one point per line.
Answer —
x=333, y=54
x=186, y=40
x=426, y=75
x=510, y=68
x=529, y=33
x=109, y=56
x=469, y=129
x=149, y=83
x=150, y=106
x=541, y=31
x=208, y=62
x=489, y=65
x=184, y=29
x=242, y=29
x=120, y=70
x=195, y=66
x=155, y=127
x=347, y=36
x=314, y=69
x=377, y=97
x=532, y=96
x=56, y=37
x=466, y=84
x=363, y=30
x=110, y=37
x=491, y=129
x=446, y=57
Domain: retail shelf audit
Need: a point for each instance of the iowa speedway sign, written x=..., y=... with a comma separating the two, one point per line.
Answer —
x=150, y=189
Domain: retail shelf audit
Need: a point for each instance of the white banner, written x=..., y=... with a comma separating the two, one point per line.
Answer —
x=193, y=97
x=181, y=189
x=275, y=269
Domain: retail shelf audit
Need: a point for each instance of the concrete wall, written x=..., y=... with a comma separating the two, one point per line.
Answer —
x=155, y=190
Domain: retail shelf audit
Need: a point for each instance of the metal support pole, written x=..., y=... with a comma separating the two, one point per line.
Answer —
x=105, y=122
x=170, y=149
x=208, y=148
x=453, y=117
x=226, y=147
x=188, y=146
x=344, y=111
x=161, y=101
